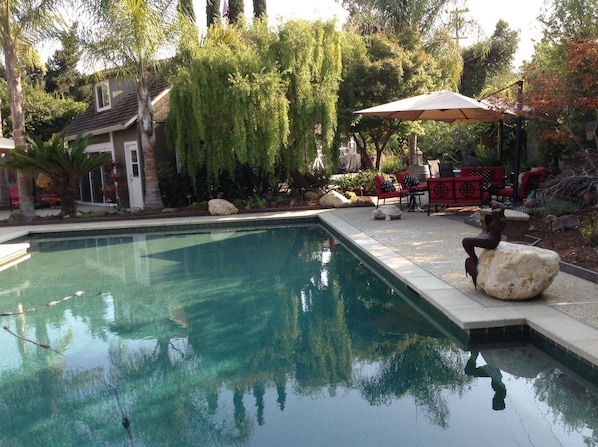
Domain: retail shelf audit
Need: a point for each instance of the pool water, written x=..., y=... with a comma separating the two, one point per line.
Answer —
x=263, y=337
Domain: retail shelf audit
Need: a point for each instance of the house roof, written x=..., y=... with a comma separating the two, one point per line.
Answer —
x=118, y=117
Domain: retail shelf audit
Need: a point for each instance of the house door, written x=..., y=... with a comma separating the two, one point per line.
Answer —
x=134, y=174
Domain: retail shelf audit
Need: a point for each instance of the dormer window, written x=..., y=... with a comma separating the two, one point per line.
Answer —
x=102, y=96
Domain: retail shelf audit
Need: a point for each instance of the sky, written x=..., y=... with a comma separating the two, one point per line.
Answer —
x=519, y=14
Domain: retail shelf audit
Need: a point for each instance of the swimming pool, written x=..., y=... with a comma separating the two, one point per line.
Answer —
x=258, y=337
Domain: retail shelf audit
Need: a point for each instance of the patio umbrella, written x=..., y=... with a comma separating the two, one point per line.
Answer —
x=444, y=105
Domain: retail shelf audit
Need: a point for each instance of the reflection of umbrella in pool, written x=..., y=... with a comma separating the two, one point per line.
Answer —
x=527, y=362
x=444, y=106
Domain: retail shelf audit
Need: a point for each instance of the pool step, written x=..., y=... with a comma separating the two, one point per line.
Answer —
x=12, y=254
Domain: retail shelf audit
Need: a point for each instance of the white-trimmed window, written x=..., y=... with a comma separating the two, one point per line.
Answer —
x=102, y=94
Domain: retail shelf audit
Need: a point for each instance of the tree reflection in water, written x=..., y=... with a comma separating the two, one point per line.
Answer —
x=192, y=332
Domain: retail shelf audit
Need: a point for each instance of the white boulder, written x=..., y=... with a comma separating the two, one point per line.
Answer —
x=516, y=271
x=221, y=207
x=386, y=212
x=334, y=199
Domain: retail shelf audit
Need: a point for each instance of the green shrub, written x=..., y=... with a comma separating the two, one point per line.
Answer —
x=392, y=165
x=353, y=182
x=589, y=228
x=555, y=210
x=317, y=179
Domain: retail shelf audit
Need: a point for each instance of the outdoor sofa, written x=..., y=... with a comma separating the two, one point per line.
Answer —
x=446, y=191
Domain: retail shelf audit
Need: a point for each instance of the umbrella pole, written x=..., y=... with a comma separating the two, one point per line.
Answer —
x=518, y=141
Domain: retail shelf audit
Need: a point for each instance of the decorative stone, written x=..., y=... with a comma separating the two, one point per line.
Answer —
x=517, y=223
x=517, y=271
x=334, y=199
x=221, y=207
x=386, y=212
x=564, y=223
x=310, y=195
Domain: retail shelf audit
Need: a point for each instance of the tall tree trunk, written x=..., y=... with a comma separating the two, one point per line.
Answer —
x=4, y=198
x=235, y=9
x=145, y=117
x=16, y=100
x=259, y=8
x=212, y=12
x=68, y=203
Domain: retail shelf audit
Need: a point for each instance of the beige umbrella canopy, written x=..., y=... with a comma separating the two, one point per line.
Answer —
x=444, y=105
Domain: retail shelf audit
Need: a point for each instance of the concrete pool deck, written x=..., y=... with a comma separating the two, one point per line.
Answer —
x=425, y=253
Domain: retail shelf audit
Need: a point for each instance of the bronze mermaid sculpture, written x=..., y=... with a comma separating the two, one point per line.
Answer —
x=495, y=224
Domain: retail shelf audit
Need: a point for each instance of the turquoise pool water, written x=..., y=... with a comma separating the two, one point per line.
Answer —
x=264, y=337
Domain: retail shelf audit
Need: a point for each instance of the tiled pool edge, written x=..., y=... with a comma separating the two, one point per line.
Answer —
x=543, y=325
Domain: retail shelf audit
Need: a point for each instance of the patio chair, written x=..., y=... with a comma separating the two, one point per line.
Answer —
x=386, y=190
x=410, y=183
x=529, y=181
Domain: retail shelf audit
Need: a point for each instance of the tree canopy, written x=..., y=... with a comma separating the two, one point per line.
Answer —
x=252, y=96
x=385, y=72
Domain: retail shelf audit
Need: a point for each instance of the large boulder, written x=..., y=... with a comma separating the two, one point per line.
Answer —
x=221, y=207
x=516, y=271
x=334, y=199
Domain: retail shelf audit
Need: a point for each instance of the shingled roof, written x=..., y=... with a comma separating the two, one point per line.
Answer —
x=118, y=117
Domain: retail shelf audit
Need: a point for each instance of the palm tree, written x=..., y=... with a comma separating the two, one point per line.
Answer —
x=21, y=22
x=130, y=36
x=58, y=168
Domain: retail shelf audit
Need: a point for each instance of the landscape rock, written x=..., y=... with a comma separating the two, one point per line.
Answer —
x=566, y=222
x=311, y=195
x=334, y=199
x=18, y=218
x=221, y=207
x=517, y=271
x=386, y=212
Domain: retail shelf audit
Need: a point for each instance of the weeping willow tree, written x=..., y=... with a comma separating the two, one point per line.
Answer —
x=253, y=96
x=311, y=62
x=227, y=107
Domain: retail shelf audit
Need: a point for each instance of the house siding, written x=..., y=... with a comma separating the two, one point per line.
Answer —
x=118, y=125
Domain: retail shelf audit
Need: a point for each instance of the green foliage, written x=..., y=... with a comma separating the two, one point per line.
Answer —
x=554, y=209
x=62, y=76
x=175, y=187
x=570, y=20
x=259, y=8
x=386, y=72
x=351, y=182
x=235, y=9
x=252, y=97
x=46, y=115
x=317, y=179
x=589, y=228
x=57, y=167
x=392, y=164
x=310, y=62
x=488, y=59
x=448, y=142
x=212, y=11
